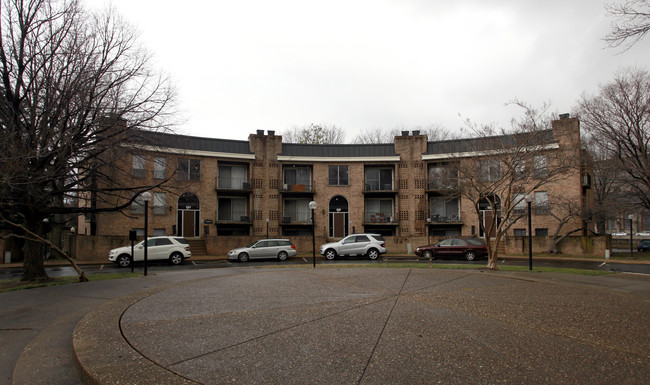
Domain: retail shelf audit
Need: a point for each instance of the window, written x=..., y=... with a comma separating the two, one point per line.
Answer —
x=489, y=170
x=379, y=210
x=137, y=206
x=541, y=232
x=159, y=203
x=519, y=200
x=379, y=179
x=444, y=209
x=189, y=169
x=338, y=175
x=520, y=232
x=159, y=167
x=519, y=170
x=296, y=210
x=297, y=176
x=233, y=177
x=233, y=209
x=541, y=202
x=138, y=166
x=539, y=168
x=443, y=175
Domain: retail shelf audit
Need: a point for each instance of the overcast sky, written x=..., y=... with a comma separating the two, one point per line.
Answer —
x=246, y=65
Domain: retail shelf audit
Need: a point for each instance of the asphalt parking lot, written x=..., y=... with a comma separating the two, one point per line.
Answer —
x=372, y=326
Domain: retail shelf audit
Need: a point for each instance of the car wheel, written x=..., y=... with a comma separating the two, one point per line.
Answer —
x=428, y=254
x=330, y=254
x=124, y=260
x=282, y=256
x=176, y=258
x=243, y=257
x=470, y=255
x=373, y=254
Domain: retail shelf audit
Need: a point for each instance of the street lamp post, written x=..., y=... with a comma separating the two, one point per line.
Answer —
x=529, y=201
x=631, y=217
x=312, y=206
x=146, y=197
x=267, y=228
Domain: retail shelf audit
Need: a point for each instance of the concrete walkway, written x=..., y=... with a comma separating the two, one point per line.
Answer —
x=368, y=326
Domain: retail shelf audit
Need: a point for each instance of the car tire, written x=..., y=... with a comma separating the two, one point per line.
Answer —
x=242, y=257
x=330, y=254
x=470, y=256
x=373, y=254
x=123, y=260
x=176, y=258
x=428, y=254
x=282, y=256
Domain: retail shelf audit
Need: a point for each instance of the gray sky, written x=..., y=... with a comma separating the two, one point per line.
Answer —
x=244, y=65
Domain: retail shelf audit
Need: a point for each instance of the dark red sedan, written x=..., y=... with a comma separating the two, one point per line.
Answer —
x=468, y=248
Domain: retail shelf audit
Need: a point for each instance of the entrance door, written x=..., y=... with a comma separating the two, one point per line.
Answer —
x=188, y=215
x=338, y=217
x=339, y=224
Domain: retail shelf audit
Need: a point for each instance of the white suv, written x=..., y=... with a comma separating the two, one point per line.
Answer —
x=372, y=245
x=174, y=249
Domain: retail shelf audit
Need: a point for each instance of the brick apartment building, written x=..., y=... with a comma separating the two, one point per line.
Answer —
x=227, y=193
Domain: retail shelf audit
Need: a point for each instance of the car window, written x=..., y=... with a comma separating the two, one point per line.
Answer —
x=284, y=243
x=272, y=243
x=181, y=240
x=163, y=241
x=348, y=240
x=476, y=242
x=378, y=237
x=446, y=242
x=458, y=242
x=362, y=238
x=261, y=244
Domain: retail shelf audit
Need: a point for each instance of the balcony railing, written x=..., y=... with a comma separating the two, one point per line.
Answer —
x=377, y=186
x=445, y=218
x=437, y=184
x=296, y=218
x=379, y=218
x=233, y=183
x=234, y=216
x=297, y=187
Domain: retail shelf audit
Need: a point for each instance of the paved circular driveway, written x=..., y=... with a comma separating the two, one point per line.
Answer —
x=370, y=326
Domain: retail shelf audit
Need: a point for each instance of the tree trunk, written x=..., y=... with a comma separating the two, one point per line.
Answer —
x=34, y=269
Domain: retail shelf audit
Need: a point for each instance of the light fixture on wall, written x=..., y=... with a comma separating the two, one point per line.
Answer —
x=170, y=209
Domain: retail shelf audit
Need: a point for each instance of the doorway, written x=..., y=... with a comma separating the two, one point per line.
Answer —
x=338, y=217
x=188, y=215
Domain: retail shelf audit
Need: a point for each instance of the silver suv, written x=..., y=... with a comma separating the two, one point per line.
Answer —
x=372, y=245
x=174, y=249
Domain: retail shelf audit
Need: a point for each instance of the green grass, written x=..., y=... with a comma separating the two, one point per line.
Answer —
x=15, y=284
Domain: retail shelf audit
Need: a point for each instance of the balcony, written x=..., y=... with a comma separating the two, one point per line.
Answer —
x=379, y=189
x=435, y=185
x=237, y=186
x=446, y=218
x=236, y=216
x=375, y=218
x=297, y=189
x=292, y=218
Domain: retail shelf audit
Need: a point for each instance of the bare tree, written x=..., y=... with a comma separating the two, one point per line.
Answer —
x=506, y=166
x=564, y=210
x=74, y=87
x=377, y=136
x=314, y=134
x=618, y=116
x=631, y=25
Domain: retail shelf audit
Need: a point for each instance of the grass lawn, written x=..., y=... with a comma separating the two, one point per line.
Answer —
x=16, y=284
